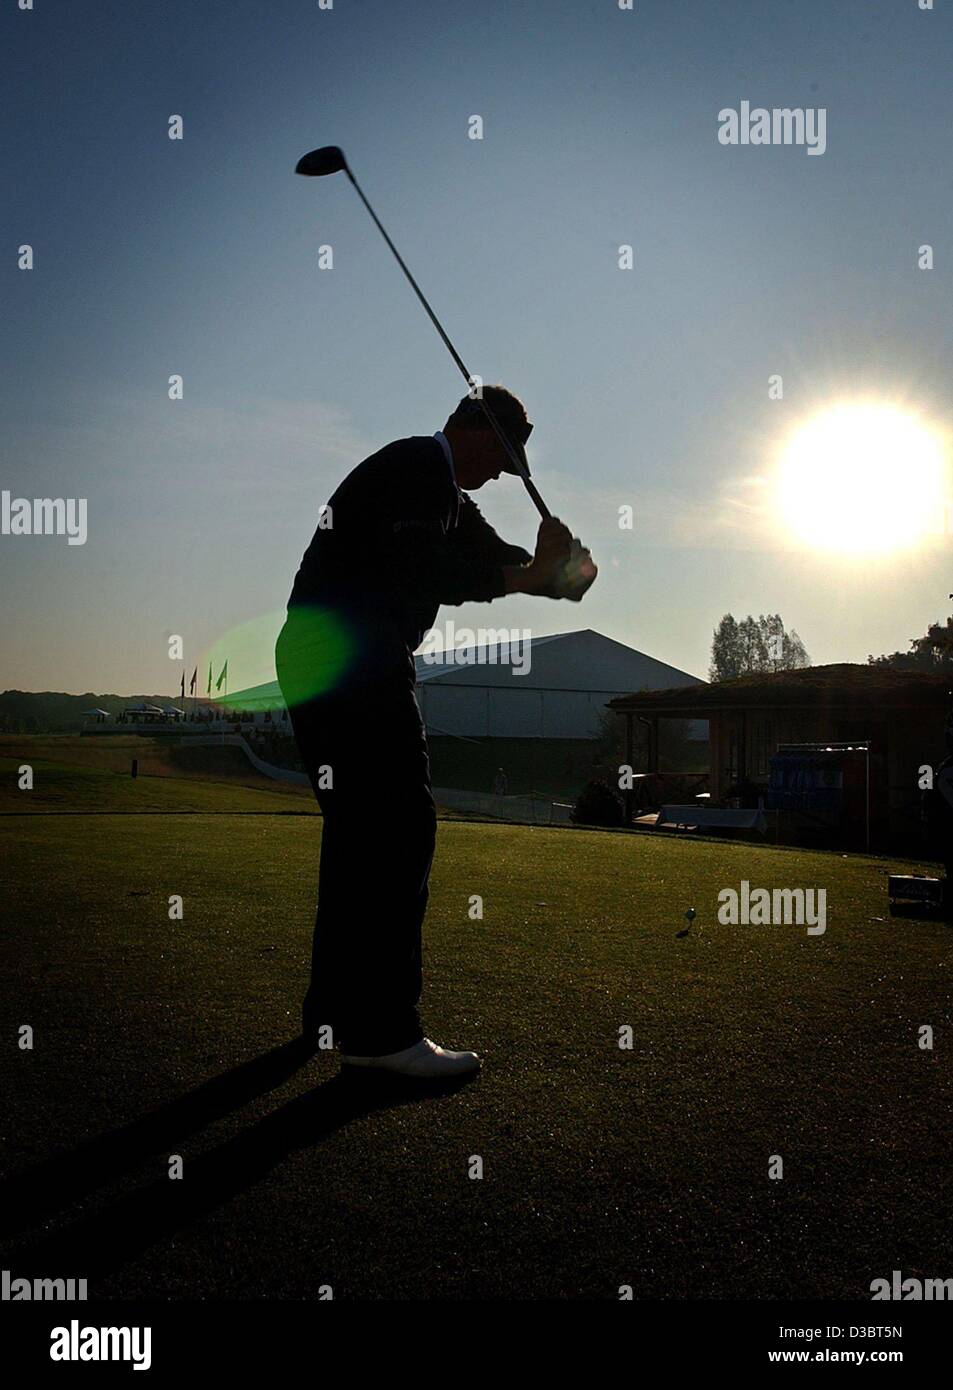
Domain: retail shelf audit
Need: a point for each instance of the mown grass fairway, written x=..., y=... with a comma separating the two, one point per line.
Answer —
x=94, y=775
x=602, y=1167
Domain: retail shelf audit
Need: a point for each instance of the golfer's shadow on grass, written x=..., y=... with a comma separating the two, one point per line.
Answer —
x=106, y=1239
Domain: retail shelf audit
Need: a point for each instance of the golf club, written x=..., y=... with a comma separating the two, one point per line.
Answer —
x=330, y=160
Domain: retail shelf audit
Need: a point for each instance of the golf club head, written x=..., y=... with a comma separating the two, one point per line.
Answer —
x=329, y=159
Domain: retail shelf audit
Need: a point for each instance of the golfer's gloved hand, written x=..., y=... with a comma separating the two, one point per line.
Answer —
x=553, y=543
x=563, y=567
x=577, y=574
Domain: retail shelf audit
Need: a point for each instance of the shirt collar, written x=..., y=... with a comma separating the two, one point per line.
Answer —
x=444, y=443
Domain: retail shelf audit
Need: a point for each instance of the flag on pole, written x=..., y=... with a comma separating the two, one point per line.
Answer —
x=195, y=676
x=209, y=690
x=183, y=685
x=223, y=676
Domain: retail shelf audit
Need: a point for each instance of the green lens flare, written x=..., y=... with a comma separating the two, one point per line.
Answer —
x=314, y=651
x=249, y=650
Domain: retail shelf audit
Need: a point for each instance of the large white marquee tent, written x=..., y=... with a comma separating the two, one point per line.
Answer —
x=552, y=687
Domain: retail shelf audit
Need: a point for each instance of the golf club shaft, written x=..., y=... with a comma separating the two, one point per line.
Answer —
x=528, y=483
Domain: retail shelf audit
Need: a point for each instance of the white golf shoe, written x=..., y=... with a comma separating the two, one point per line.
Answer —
x=424, y=1061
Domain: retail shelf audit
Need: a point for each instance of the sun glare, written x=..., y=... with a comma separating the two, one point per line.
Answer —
x=860, y=478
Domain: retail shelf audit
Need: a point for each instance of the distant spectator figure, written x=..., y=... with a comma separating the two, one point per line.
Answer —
x=500, y=783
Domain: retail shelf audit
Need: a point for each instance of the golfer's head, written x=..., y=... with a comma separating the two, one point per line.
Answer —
x=478, y=453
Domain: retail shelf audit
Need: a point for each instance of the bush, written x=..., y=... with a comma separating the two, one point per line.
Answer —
x=598, y=804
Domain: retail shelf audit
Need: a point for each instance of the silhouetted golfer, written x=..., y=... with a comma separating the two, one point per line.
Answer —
x=400, y=537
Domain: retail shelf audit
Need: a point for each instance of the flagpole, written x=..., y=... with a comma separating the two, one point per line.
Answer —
x=224, y=676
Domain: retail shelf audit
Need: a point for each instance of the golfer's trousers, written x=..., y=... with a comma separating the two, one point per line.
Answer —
x=367, y=759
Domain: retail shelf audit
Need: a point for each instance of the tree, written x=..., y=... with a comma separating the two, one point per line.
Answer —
x=934, y=652
x=725, y=650
x=754, y=644
x=794, y=655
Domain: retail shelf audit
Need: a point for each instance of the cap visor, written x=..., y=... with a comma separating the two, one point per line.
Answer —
x=521, y=455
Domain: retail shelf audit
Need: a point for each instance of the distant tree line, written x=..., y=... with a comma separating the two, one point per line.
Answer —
x=934, y=652
x=56, y=712
x=19, y=723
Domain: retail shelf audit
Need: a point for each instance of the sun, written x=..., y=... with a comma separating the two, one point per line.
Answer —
x=862, y=478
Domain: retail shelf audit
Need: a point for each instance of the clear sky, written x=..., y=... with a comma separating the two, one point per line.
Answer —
x=648, y=387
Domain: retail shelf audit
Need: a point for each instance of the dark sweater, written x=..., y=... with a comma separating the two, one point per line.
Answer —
x=403, y=540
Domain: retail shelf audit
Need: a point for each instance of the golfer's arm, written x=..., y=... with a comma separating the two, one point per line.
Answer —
x=468, y=563
x=521, y=579
x=425, y=566
x=476, y=534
